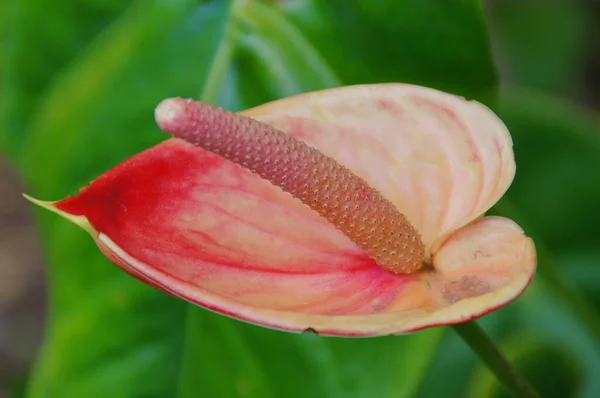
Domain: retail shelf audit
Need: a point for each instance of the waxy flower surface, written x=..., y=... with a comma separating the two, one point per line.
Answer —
x=378, y=231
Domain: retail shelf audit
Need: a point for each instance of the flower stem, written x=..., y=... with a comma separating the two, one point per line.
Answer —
x=487, y=351
x=218, y=69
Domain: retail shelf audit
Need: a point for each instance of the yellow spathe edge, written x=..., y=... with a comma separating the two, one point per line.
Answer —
x=80, y=221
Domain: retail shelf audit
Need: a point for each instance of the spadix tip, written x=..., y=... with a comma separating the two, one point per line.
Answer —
x=169, y=112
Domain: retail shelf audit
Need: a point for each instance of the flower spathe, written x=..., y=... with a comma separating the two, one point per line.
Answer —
x=204, y=229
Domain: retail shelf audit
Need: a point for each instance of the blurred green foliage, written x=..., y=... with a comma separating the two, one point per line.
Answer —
x=544, y=43
x=79, y=82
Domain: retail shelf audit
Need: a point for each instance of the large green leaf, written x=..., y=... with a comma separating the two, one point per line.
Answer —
x=556, y=191
x=39, y=38
x=112, y=336
x=437, y=43
x=543, y=44
x=223, y=359
x=557, y=150
x=279, y=55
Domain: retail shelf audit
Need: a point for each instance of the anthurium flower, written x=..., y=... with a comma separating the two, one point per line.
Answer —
x=354, y=211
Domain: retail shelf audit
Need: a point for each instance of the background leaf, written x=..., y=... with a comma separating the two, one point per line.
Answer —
x=58, y=30
x=557, y=145
x=543, y=44
x=225, y=358
x=439, y=44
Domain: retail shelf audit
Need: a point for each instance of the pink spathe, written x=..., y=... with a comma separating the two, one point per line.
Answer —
x=202, y=228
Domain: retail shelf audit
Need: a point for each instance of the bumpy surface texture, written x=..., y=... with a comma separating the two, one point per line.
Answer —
x=345, y=200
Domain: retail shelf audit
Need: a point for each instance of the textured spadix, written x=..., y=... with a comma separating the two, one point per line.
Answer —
x=344, y=199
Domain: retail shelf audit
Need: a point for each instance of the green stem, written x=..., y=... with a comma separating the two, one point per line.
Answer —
x=218, y=69
x=487, y=351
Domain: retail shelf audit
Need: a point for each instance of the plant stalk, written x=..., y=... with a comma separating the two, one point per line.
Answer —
x=486, y=350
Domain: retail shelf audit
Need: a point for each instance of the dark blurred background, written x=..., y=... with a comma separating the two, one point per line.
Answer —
x=547, y=46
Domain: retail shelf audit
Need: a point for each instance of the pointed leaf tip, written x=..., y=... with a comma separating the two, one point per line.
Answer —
x=48, y=205
x=78, y=220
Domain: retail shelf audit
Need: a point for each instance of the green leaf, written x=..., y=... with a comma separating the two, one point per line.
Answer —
x=438, y=43
x=543, y=44
x=38, y=39
x=144, y=57
x=223, y=359
x=551, y=369
x=557, y=145
x=284, y=61
x=555, y=192
x=582, y=268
